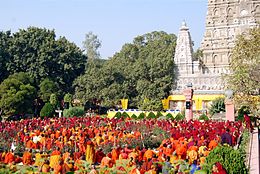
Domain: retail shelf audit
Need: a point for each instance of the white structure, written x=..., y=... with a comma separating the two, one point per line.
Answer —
x=188, y=70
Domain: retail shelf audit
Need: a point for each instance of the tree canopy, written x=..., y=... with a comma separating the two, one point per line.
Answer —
x=91, y=45
x=245, y=67
x=17, y=94
x=36, y=51
x=142, y=70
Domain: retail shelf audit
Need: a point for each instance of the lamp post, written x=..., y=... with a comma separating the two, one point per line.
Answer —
x=188, y=93
x=229, y=105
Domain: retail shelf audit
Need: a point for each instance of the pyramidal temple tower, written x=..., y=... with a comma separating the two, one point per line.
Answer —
x=187, y=69
x=185, y=66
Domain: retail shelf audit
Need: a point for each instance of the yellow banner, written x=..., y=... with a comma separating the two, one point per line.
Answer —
x=165, y=103
x=124, y=103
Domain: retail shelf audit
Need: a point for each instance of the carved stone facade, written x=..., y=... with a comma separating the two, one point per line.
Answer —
x=225, y=20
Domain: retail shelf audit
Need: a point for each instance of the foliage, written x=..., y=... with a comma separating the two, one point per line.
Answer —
x=89, y=85
x=227, y=156
x=17, y=94
x=73, y=111
x=243, y=146
x=204, y=117
x=54, y=100
x=141, y=70
x=243, y=110
x=47, y=87
x=4, y=54
x=38, y=52
x=151, y=105
x=217, y=106
x=197, y=55
x=245, y=65
x=47, y=110
x=68, y=98
x=179, y=117
x=91, y=45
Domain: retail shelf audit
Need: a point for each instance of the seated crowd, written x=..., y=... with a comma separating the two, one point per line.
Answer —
x=64, y=144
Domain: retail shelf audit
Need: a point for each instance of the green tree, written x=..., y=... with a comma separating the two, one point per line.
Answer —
x=91, y=45
x=47, y=87
x=17, y=94
x=89, y=85
x=142, y=69
x=245, y=68
x=37, y=52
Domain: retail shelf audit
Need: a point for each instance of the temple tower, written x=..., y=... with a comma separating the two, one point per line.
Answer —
x=183, y=57
x=225, y=20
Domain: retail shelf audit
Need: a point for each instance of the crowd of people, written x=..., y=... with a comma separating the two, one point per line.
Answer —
x=66, y=144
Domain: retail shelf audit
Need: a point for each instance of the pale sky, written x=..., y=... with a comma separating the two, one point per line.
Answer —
x=116, y=22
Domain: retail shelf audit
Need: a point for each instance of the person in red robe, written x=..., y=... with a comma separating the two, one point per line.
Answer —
x=9, y=157
x=218, y=169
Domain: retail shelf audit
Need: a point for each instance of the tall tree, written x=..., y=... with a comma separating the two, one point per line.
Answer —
x=245, y=67
x=91, y=45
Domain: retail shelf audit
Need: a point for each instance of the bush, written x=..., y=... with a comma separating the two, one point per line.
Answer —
x=151, y=115
x=141, y=116
x=47, y=110
x=118, y=115
x=230, y=159
x=169, y=116
x=204, y=117
x=73, y=111
x=179, y=117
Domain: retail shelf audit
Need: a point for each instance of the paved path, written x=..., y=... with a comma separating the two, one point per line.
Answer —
x=254, y=153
